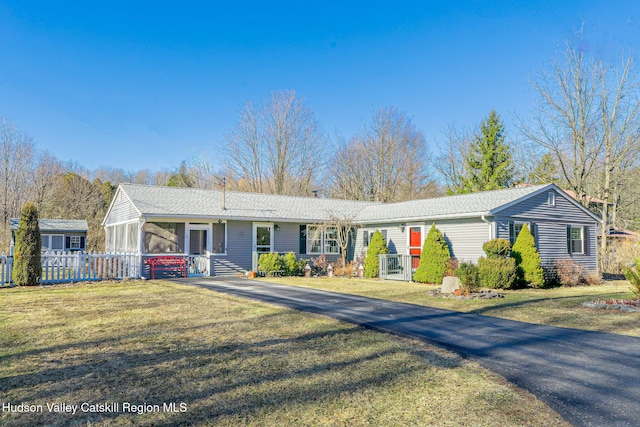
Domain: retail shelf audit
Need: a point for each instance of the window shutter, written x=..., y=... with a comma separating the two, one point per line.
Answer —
x=585, y=240
x=67, y=242
x=303, y=239
x=365, y=238
x=512, y=232
x=82, y=242
x=568, y=239
x=533, y=228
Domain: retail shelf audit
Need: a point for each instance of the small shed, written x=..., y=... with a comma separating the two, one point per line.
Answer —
x=57, y=234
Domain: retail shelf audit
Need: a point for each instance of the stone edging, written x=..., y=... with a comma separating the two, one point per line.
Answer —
x=621, y=307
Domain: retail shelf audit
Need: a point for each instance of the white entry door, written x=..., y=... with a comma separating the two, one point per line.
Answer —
x=262, y=237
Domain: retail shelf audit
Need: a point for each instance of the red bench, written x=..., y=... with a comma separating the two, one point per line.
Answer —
x=171, y=264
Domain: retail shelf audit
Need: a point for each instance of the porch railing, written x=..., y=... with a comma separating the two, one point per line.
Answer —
x=198, y=265
x=396, y=267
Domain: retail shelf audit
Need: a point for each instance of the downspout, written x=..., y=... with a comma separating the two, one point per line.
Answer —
x=486, y=221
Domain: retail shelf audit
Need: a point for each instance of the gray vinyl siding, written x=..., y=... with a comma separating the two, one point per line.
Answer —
x=287, y=239
x=551, y=241
x=122, y=210
x=465, y=237
x=396, y=239
x=551, y=228
x=239, y=242
x=536, y=208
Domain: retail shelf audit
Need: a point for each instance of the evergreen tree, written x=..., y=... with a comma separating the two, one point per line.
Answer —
x=377, y=246
x=26, y=254
x=180, y=178
x=528, y=260
x=433, y=259
x=489, y=166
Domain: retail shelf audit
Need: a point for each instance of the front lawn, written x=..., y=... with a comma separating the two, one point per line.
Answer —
x=554, y=307
x=153, y=344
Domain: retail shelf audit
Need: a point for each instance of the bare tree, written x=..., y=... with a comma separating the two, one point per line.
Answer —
x=451, y=161
x=268, y=150
x=17, y=153
x=565, y=122
x=386, y=162
x=620, y=114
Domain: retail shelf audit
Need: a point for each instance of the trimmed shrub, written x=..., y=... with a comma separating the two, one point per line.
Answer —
x=269, y=263
x=292, y=266
x=27, y=269
x=433, y=259
x=467, y=272
x=633, y=276
x=528, y=262
x=497, y=248
x=497, y=273
x=377, y=246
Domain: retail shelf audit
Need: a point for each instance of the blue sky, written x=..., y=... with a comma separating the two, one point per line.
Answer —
x=138, y=85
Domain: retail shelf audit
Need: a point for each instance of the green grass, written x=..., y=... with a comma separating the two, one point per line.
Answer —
x=232, y=362
x=554, y=307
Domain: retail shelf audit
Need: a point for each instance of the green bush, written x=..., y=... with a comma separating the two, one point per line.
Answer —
x=633, y=276
x=269, y=263
x=528, y=262
x=497, y=248
x=497, y=273
x=26, y=252
x=433, y=259
x=292, y=266
x=467, y=272
x=377, y=246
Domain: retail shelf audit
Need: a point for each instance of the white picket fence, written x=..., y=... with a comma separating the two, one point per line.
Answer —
x=62, y=267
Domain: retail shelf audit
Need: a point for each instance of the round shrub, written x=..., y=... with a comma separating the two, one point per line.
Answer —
x=290, y=265
x=377, y=246
x=433, y=259
x=497, y=273
x=467, y=272
x=497, y=248
x=269, y=263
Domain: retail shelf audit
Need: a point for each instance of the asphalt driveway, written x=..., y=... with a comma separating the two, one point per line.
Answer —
x=590, y=378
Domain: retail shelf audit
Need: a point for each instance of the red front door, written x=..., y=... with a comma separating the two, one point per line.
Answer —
x=415, y=245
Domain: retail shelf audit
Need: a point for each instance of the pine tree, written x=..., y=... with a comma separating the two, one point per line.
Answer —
x=377, y=246
x=26, y=255
x=528, y=260
x=489, y=166
x=433, y=259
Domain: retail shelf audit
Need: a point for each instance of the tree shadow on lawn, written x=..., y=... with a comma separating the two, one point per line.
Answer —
x=216, y=380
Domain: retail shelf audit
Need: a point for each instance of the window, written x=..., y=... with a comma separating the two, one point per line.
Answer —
x=74, y=242
x=576, y=240
x=551, y=198
x=331, y=241
x=516, y=227
x=52, y=242
x=314, y=239
x=163, y=237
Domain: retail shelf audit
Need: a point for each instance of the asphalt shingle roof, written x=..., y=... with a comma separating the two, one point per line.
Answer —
x=173, y=201
x=45, y=225
x=191, y=202
x=448, y=206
